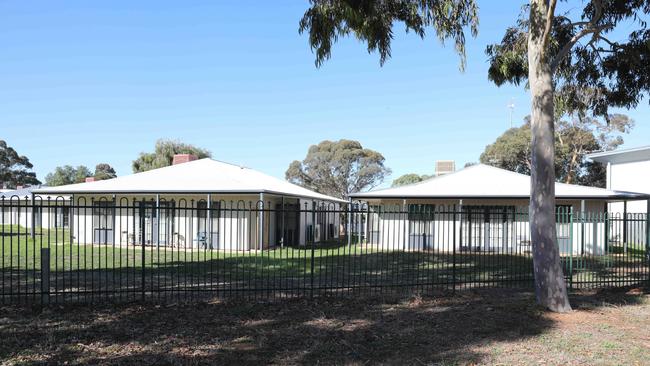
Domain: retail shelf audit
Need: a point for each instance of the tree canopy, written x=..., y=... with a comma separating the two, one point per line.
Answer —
x=591, y=71
x=570, y=65
x=15, y=169
x=67, y=174
x=338, y=168
x=372, y=22
x=104, y=171
x=163, y=155
x=409, y=179
x=574, y=139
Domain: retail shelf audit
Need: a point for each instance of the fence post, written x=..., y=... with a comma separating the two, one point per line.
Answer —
x=45, y=276
x=313, y=240
x=582, y=227
x=32, y=230
x=453, y=275
x=570, y=218
x=141, y=235
x=625, y=227
x=647, y=236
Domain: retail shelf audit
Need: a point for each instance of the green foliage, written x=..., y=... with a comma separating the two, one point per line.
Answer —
x=67, y=174
x=592, y=73
x=338, y=168
x=163, y=155
x=15, y=170
x=573, y=140
x=104, y=171
x=372, y=22
x=409, y=179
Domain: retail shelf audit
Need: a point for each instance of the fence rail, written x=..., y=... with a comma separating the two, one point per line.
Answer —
x=60, y=250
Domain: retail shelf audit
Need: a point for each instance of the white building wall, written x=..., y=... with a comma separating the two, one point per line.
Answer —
x=633, y=177
x=233, y=225
x=391, y=228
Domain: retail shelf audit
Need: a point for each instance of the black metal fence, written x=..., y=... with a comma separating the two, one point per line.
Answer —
x=57, y=250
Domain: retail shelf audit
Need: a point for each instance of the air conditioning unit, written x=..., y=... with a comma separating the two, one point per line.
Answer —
x=445, y=167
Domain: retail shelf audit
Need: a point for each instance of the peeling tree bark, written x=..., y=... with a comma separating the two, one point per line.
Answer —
x=550, y=286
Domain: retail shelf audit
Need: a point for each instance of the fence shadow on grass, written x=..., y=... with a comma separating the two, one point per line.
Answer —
x=272, y=275
x=326, y=330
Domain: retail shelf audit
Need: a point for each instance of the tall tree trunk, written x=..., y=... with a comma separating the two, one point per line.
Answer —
x=550, y=286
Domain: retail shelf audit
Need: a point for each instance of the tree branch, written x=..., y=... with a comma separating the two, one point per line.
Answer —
x=590, y=28
x=569, y=45
x=549, y=22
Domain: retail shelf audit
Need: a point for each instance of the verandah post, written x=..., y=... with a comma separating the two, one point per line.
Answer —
x=283, y=223
x=349, y=222
x=209, y=223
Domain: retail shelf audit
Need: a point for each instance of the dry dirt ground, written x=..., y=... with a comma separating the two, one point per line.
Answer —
x=489, y=327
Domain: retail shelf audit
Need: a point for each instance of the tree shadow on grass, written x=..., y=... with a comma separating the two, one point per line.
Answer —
x=372, y=330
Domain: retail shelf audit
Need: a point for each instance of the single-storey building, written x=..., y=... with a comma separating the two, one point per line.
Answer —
x=17, y=209
x=627, y=170
x=484, y=208
x=198, y=204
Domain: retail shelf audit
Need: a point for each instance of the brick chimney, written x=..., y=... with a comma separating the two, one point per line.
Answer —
x=183, y=158
x=90, y=179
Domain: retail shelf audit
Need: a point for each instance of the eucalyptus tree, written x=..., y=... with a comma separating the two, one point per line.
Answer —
x=409, y=178
x=104, y=171
x=572, y=65
x=574, y=139
x=571, y=62
x=15, y=169
x=338, y=168
x=163, y=155
x=67, y=174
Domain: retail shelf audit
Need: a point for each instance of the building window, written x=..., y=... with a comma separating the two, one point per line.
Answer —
x=62, y=217
x=421, y=212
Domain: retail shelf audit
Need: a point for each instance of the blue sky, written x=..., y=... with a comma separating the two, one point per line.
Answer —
x=87, y=82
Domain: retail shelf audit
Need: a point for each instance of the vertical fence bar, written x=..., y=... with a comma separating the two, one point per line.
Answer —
x=647, y=238
x=570, y=219
x=313, y=240
x=453, y=256
x=45, y=276
x=141, y=235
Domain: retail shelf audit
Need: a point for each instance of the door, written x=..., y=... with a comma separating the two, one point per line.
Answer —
x=156, y=231
x=148, y=225
x=103, y=221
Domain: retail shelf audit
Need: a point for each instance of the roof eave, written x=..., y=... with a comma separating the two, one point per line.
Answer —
x=568, y=197
x=201, y=191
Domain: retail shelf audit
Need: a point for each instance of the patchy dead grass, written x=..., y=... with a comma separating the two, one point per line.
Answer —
x=478, y=327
